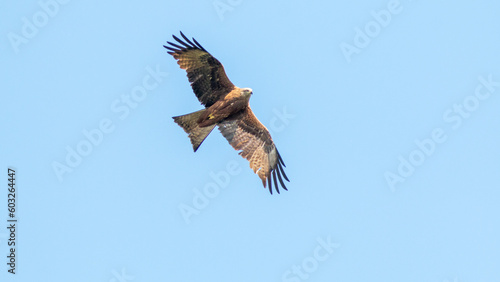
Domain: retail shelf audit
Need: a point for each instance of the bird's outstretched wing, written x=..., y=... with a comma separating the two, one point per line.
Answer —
x=206, y=74
x=249, y=136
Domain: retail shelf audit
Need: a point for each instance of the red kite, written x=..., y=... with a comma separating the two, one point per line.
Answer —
x=226, y=106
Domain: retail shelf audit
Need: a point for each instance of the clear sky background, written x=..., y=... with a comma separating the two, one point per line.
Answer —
x=386, y=114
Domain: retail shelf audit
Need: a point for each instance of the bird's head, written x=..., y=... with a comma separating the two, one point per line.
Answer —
x=246, y=92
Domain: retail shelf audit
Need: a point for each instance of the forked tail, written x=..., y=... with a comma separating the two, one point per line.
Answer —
x=190, y=125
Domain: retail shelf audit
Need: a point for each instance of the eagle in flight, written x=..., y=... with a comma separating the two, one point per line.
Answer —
x=226, y=106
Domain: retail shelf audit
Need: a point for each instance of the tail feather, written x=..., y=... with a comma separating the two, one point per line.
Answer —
x=190, y=125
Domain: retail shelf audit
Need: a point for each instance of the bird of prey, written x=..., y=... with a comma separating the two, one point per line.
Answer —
x=226, y=106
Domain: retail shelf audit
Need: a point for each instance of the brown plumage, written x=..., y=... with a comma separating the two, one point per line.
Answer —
x=226, y=106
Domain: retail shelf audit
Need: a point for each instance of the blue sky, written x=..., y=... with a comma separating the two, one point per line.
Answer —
x=385, y=113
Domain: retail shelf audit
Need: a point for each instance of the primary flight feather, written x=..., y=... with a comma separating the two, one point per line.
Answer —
x=226, y=106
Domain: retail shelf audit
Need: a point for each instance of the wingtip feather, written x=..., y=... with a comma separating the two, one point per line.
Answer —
x=275, y=182
x=199, y=45
x=186, y=46
x=281, y=180
x=270, y=185
x=283, y=172
x=187, y=39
